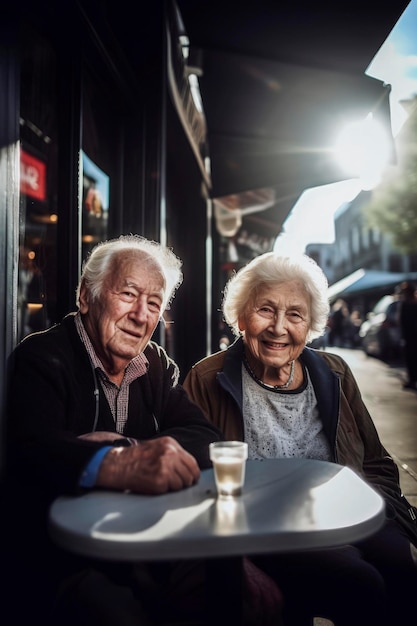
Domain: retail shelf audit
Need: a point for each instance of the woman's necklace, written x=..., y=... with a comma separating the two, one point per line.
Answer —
x=261, y=382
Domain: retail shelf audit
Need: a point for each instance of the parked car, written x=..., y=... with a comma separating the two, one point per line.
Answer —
x=380, y=333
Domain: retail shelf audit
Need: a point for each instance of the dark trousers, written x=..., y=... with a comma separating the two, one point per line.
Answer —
x=371, y=583
x=410, y=357
x=164, y=594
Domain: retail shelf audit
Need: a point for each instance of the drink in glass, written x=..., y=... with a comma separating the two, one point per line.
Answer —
x=229, y=462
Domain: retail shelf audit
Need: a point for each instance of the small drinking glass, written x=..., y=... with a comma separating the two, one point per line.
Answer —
x=229, y=463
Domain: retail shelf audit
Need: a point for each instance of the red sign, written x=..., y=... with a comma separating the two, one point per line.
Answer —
x=32, y=176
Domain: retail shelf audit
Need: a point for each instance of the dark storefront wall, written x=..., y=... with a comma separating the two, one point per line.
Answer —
x=87, y=132
x=94, y=137
x=188, y=229
x=9, y=158
x=39, y=210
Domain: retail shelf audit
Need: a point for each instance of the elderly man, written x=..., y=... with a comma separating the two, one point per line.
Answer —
x=94, y=403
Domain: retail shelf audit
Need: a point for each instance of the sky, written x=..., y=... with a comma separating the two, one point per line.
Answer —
x=395, y=64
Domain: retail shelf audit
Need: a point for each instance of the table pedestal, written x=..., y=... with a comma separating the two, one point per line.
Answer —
x=225, y=591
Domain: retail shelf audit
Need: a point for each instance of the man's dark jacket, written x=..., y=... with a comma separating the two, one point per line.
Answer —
x=52, y=399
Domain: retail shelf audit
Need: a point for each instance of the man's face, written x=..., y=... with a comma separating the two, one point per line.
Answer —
x=121, y=322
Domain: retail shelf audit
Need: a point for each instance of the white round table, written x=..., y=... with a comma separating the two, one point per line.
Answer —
x=286, y=505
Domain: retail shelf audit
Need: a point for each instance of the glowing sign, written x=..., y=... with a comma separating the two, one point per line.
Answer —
x=32, y=176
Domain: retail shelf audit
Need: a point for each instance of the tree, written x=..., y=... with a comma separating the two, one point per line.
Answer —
x=393, y=204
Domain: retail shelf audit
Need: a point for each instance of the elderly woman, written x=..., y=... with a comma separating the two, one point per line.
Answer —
x=288, y=400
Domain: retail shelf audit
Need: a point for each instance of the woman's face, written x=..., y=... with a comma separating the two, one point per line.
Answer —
x=276, y=324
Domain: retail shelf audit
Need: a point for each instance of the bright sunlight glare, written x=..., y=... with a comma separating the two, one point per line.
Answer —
x=362, y=150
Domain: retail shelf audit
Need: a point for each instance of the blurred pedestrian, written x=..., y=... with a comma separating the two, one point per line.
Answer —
x=354, y=327
x=408, y=325
x=339, y=322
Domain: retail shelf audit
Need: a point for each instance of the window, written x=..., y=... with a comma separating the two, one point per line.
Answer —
x=38, y=213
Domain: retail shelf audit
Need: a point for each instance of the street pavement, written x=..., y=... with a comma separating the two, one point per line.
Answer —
x=393, y=410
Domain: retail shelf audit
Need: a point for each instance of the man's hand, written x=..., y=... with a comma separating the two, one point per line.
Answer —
x=153, y=467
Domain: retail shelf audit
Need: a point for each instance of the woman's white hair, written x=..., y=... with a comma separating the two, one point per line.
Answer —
x=272, y=269
x=102, y=257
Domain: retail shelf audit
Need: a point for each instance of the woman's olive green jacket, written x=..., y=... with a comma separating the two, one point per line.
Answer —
x=215, y=384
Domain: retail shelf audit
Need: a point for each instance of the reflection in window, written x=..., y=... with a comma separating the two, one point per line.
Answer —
x=98, y=159
x=38, y=213
x=95, y=204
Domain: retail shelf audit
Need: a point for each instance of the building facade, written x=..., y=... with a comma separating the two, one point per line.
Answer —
x=360, y=248
x=94, y=145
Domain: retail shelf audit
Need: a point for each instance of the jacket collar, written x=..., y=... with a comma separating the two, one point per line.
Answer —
x=326, y=386
x=325, y=382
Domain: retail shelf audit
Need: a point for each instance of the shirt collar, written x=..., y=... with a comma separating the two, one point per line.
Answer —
x=138, y=366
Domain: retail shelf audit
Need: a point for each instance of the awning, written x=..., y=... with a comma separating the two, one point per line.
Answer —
x=278, y=81
x=367, y=281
